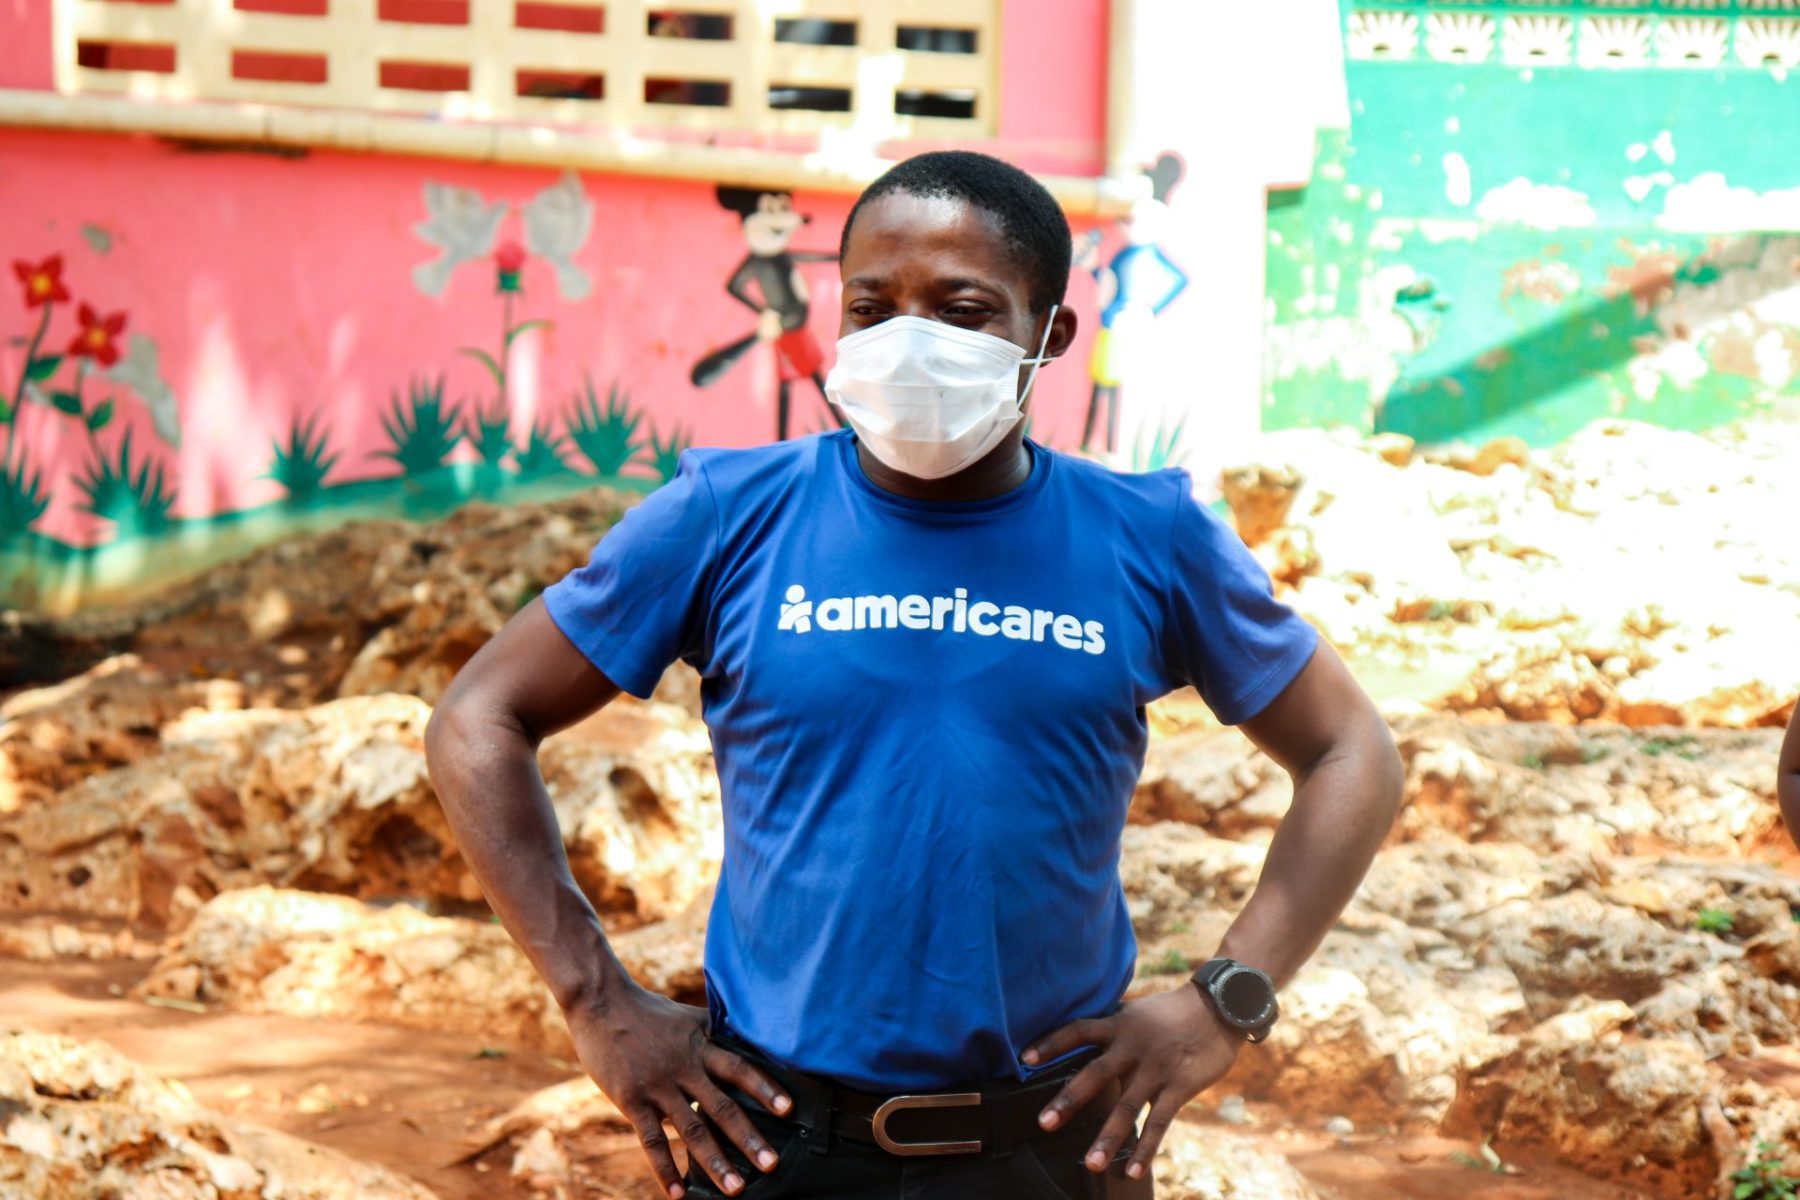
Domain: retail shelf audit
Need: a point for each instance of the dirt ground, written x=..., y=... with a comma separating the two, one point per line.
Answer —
x=415, y=1101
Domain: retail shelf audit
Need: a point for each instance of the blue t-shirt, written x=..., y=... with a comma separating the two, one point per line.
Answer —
x=928, y=720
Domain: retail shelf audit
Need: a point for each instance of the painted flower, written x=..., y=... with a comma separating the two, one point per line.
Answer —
x=95, y=340
x=43, y=282
x=510, y=259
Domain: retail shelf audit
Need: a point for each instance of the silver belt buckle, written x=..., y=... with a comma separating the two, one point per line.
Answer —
x=907, y=1149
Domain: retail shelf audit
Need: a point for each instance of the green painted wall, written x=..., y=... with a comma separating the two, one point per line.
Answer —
x=1496, y=250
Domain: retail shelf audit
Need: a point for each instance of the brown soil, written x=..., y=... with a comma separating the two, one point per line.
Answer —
x=413, y=1101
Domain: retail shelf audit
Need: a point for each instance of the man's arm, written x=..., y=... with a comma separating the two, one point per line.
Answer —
x=1787, y=781
x=1166, y=1049
x=650, y=1055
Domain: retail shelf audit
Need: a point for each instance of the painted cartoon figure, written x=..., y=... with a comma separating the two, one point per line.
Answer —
x=1135, y=287
x=779, y=296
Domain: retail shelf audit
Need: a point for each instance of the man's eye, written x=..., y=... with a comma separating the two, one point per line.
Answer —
x=965, y=312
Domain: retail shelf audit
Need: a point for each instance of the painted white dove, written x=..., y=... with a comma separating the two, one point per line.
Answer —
x=462, y=224
x=141, y=371
x=557, y=222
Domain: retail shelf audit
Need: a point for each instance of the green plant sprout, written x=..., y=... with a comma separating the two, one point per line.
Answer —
x=607, y=437
x=1163, y=449
x=132, y=494
x=489, y=431
x=1173, y=962
x=541, y=454
x=300, y=466
x=22, y=499
x=665, y=457
x=1764, y=1178
x=1682, y=747
x=421, y=430
x=1713, y=920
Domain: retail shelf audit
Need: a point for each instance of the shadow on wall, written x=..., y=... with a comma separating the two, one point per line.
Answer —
x=1648, y=337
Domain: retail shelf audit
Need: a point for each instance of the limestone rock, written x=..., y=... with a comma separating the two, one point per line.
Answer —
x=1259, y=498
x=78, y=1121
x=53, y=737
x=371, y=606
x=1200, y=1162
x=436, y=597
x=1618, y=1108
x=1597, y=789
x=1548, y=572
x=336, y=798
x=307, y=955
x=1213, y=778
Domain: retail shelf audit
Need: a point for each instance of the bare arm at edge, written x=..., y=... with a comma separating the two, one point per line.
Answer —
x=1787, y=780
x=650, y=1055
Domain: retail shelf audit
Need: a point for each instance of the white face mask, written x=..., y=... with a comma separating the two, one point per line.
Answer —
x=929, y=399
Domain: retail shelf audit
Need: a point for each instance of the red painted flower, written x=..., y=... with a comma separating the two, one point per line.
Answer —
x=510, y=258
x=43, y=282
x=95, y=340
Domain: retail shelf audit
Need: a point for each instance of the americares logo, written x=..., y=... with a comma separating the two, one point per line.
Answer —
x=942, y=614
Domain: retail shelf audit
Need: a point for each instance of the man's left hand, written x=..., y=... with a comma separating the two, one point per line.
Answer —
x=1164, y=1050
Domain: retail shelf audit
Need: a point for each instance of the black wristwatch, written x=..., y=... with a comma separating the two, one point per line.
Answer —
x=1242, y=996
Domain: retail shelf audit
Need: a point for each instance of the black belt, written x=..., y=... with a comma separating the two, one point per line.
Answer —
x=995, y=1117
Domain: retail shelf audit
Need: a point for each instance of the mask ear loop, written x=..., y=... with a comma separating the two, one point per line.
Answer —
x=1040, y=360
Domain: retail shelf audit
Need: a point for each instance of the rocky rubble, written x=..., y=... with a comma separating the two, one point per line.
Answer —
x=1631, y=574
x=78, y=1121
x=1561, y=1004
x=336, y=798
x=368, y=607
x=1596, y=789
x=303, y=954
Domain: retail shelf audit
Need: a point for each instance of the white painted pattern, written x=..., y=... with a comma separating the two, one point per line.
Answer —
x=1537, y=41
x=1459, y=37
x=1692, y=42
x=1763, y=42
x=1377, y=34
x=1615, y=42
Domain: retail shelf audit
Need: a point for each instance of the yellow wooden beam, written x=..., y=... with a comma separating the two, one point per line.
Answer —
x=535, y=145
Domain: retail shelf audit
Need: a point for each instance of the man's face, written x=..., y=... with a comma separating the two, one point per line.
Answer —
x=938, y=258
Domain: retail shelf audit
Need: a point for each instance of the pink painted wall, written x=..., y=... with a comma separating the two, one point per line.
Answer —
x=1053, y=85
x=25, y=44
x=278, y=288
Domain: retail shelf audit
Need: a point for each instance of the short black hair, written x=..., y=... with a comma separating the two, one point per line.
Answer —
x=1036, y=232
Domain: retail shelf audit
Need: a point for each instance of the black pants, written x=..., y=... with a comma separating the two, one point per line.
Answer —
x=818, y=1165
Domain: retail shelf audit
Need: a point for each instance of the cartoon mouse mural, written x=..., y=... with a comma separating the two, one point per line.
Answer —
x=1135, y=287
x=769, y=282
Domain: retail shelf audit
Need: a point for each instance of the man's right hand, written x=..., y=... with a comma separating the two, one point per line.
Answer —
x=652, y=1057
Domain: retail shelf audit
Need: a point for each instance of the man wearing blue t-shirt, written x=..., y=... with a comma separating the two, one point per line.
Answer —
x=926, y=645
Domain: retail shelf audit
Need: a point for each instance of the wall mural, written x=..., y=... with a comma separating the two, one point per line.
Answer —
x=86, y=381
x=1136, y=285
x=449, y=334
x=769, y=282
x=1451, y=274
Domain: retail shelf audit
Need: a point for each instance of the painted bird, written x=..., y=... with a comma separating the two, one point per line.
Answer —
x=462, y=224
x=557, y=222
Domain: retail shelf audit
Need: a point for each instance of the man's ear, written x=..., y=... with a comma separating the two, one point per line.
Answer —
x=1062, y=331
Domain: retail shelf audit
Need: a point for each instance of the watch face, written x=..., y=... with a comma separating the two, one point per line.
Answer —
x=1245, y=997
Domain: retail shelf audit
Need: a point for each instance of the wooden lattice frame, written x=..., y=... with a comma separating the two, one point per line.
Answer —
x=354, y=41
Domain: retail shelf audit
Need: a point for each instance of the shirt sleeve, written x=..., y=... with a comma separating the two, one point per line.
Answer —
x=641, y=602
x=1226, y=634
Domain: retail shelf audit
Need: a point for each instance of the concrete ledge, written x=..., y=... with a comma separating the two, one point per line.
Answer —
x=532, y=145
